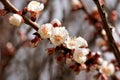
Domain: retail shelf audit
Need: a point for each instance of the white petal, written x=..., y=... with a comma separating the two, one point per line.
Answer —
x=79, y=55
x=107, y=68
x=81, y=42
x=45, y=30
x=35, y=6
x=59, y=35
x=72, y=43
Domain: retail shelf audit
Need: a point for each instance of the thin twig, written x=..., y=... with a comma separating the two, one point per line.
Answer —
x=11, y=8
x=111, y=40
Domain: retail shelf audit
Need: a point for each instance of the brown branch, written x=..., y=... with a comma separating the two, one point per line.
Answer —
x=11, y=8
x=111, y=40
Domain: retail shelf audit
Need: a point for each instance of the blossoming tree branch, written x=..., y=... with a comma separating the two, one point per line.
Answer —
x=73, y=51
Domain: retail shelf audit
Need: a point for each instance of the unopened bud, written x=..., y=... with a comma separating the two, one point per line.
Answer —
x=56, y=23
x=15, y=20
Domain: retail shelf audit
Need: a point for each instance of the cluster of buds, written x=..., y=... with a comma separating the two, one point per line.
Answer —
x=34, y=7
x=95, y=61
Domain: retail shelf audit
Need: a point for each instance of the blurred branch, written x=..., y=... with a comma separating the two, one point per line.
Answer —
x=84, y=7
x=11, y=8
x=111, y=41
x=116, y=4
x=109, y=12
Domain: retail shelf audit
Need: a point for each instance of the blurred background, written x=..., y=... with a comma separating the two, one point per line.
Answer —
x=18, y=61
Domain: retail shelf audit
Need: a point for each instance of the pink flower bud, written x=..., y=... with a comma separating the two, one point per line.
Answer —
x=56, y=23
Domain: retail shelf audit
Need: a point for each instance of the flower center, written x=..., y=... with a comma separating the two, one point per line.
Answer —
x=58, y=38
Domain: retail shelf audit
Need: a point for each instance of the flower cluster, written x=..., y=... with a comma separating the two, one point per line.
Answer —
x=34, y=7
x=54, y=32
x=73, y=51
x=59, y=35
x=79, y=45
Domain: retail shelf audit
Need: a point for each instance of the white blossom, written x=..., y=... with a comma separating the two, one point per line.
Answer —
x=82, y=59
x=82, y=42
x=107, y=68
x=45, y=30
x=59, y=35
x=72, y=43
x=35, y=6
x=79, y=55
x=15, y=20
